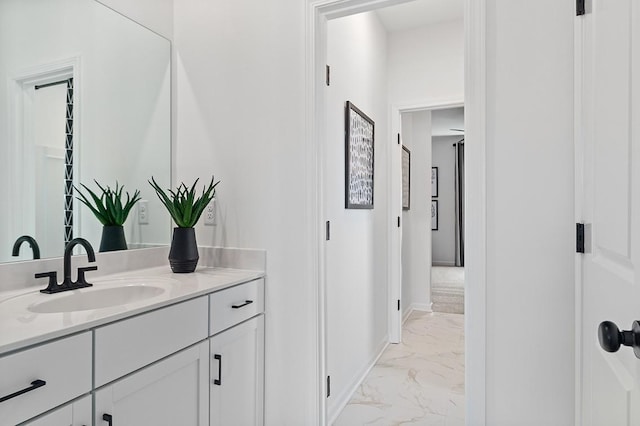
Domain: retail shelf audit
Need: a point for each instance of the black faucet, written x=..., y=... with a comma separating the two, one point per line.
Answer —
x=67, y=283
x=32, y=243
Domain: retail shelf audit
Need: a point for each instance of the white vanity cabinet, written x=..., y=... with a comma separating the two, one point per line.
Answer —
x=77, y=413
x=196, y=362
x=173, y=391
x=237, y=355
x=43, y=377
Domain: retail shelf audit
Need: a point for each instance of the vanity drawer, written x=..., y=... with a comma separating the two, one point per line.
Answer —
x=233, y=305
x=64, y=366
x=130, y=344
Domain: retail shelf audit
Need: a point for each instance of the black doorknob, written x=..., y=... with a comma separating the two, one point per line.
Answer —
x=611, y=338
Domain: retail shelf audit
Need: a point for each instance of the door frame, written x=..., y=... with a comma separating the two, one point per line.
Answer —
x=395, y=193
x=579, y=154
x=21, y=138
x=317, y=13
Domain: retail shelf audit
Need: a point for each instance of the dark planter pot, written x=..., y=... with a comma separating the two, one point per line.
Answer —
x=113, y=238
x=183, y=256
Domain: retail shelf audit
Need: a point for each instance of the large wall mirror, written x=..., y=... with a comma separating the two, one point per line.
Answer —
x=84, y=95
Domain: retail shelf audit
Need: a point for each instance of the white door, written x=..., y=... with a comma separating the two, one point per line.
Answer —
x=610, y=142
x=171, y=392
x=237, y=375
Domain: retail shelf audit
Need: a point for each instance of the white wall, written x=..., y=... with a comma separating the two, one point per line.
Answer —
x=157, y=15
x=356, y=269
x=444, y=239
x=530, y=227
x=427, y=64
x=416, y=228
x=241, y=115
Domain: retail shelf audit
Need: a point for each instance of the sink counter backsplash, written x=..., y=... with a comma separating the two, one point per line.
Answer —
x=28, y=317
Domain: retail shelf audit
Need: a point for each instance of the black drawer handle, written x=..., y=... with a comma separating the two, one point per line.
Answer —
x=218, y=381
x=108, y=418
x=34, y=385
x=246, y=302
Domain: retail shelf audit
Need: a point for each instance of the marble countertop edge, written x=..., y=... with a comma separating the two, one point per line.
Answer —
x=21, y=330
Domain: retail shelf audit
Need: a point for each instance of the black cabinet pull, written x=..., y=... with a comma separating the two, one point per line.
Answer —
x=246, y=302
x=34, y=385
x=218, y=381
x=108, y=418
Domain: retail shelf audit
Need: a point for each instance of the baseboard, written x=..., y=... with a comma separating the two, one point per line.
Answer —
x=442, y=263
x=343, y=399
x=422, y=307
x=406, y=314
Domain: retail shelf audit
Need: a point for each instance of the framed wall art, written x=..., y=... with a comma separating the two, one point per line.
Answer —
x=434, y=181
x=359, y=155
x=434, y=215
x=406, y=178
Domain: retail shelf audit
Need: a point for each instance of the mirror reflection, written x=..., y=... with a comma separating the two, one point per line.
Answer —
x=84, y=100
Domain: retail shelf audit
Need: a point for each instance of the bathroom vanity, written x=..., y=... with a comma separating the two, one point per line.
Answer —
x=139, y=348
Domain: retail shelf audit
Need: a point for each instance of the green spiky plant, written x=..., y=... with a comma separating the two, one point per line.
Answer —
x=183, y=206
x=109, y=208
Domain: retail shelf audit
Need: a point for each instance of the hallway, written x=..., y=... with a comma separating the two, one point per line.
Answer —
x=419, y=382
x=447, y=289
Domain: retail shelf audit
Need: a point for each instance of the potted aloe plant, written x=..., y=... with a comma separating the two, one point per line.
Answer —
x=185, y=210
x=112, y=211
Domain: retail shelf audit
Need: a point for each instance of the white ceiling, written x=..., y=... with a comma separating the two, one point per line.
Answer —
x=443, y=120
x=420, y=13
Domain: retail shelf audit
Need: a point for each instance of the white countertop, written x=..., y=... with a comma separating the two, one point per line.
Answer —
x=20, y=327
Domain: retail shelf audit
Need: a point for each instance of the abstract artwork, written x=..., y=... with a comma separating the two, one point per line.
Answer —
x=434, y=181
x=406, y=178
x=359, y=142
x=434, y=215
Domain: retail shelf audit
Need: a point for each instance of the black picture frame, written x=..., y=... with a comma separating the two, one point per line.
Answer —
x=434, y=182
x=406, y=178
x=359, y=158
x=434, y=215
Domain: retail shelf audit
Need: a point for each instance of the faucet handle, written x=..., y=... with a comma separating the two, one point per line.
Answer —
x=53, y=286
x=82, y=281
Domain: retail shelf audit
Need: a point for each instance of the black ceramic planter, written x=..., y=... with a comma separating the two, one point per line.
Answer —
x=113, y=238
x=183, y=256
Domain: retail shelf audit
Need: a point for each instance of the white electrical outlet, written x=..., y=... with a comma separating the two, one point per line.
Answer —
x=143, y=212
x=210, y=213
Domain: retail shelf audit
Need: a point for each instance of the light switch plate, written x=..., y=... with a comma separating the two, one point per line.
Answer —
x=143, y=212
x=210, y=213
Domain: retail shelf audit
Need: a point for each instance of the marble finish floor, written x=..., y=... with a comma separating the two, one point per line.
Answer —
x=417, y=382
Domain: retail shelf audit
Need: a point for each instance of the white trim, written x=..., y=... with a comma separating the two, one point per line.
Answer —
x=394, y=193
x=416, y=307
x=443, y=263
x=422, y=307
x=314, y=27
x=343, y=399
x=579, y=46
x=20, y=89
x=317, y=13
x=476, y=215
x=406, y=314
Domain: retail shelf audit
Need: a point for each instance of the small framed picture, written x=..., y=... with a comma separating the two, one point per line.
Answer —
x=434, y=181
x=434, y=215
x=406, y=178
x=359, y=144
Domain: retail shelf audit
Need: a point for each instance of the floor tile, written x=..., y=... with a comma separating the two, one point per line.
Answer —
x=417, y=382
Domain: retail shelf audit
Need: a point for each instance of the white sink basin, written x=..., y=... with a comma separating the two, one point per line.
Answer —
x=103, y=294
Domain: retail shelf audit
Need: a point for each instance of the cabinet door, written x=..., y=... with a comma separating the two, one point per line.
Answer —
x=77, y=413
x=171, y=392
x=237, y=375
